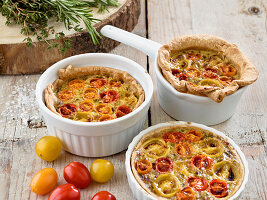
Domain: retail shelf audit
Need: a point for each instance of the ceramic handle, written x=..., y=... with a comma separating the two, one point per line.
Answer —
x=147, y=46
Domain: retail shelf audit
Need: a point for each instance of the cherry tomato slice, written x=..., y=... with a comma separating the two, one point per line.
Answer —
x=65, y=191
x=143, y=166
x=193, y=72
x=164, y=165
x=103, y=195
x=90, y=93
x=202, y=162
x=210, y=75
x=173, y=137
x=67, y=110
x=103, y=108
x=109, y=96
x=115, y=84
x=218, y=188
x=97, y=82
x=86, y=106
x=122, y=110
x=227, y=70
x=225, y=79
x=183, y=149
x=105, y=117
x=193, y=135
x=180, y=75
x=77, y=174
x=198, y=184
x=76, y=84
x=66, y=95
x=193, y=56
x=186, y=194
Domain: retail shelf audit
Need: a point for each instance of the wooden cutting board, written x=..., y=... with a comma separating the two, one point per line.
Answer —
x=17, y=58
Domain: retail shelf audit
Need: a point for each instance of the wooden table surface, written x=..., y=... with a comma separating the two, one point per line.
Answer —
x=239, y=21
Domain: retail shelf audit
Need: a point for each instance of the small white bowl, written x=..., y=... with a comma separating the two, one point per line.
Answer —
x=141, y=194
x=95, y=139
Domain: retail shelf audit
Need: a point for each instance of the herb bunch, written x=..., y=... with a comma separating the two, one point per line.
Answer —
x=33, y=17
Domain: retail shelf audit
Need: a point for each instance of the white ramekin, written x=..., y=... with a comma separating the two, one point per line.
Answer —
x=96, y=139
x=180, y=106
x=141, y=194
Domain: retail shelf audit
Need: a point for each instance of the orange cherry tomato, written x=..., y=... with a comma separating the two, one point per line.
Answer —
x=225, y=79
x=77, y=174
x=193, y=135
x=193, y=56
x=90, y=93
x=218, y=188
x=164, y=165
x=210, y=75
x=183, y=149
x=86, y=106
x=186, y=194
x=143, y=166
x=122, y=110
x=109, y=96
x=202, y=162
x=103, y=108
x=180, y=75
x=66, y=95
x=67, y=110
x=173, y=137
x=198, y=184
x=105, y=117
x=103, y=195
x=227, y=70
x=44, y=181
x=115, y=84
x=65, y=192
x=76, y=84
x=193, y=72
x=97, y=82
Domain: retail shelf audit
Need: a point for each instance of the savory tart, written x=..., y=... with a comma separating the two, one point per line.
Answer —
x=184, y=162
x=93, y=94
x=205, y=65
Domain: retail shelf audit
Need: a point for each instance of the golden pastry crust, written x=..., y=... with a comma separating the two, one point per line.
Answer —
x=245, y=67
x=74, y=72
x=158, y=133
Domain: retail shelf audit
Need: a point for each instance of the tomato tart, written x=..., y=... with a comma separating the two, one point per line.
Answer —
x=93, y=94
x=205, y=65
x=184, y=162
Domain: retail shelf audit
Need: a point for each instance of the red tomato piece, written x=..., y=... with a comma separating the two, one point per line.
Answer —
x=109, y=96
x=227, y=70
x=97, y=82
x=103, y=195
x=218, y=188
x=164, y=165
x=67, y=110
x=193, y=56
x=173, y=137
x=198, y=184
x=65, y=191
x=210, y=74
x=77, y=174
x=202, y=162
x=114, y=83
x=183, y=149
x=122, y=110
x=180, y=75
x=143, y=166
x=186, y=194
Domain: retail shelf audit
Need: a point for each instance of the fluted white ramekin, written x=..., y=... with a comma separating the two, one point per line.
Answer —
x=96, y=139
x=141, y=194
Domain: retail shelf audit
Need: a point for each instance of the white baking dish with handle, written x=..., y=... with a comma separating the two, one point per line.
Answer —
x=180, y=106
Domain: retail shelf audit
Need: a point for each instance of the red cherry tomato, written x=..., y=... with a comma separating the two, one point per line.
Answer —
x=109, y=96
x=202, y=162
x=210, y=74
x=173, y=137
x=193, y=135
x=122, y=110
x=67, y=110
x=77, y=174
x=164, y=165
x=114, y=83
x=218, y=188
x=180, y=75
x=97, y=82
x=198, y=184
x=103, y=195
x=65, y=192
x=183, y=149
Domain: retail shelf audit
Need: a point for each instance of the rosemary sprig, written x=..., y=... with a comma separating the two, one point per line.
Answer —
x=33, y=17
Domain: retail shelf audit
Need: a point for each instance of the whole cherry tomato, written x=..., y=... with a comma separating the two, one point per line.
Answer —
x=77, y=174
x=44, y=181
x=102, y=170
x=103, y=195
x=65, y=192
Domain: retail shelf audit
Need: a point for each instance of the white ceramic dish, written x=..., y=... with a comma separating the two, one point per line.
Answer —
x=141, y=194
x=180, y=106
x=96, y=139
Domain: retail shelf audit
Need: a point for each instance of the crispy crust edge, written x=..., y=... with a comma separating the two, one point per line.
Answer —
x=246, y=68
x=159, y=131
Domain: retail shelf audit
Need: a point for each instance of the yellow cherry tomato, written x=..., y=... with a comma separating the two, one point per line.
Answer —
x=48, y=148
x=101, y=170
x=44, y=181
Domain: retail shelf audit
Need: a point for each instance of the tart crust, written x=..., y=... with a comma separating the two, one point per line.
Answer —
x=157, y=133
x=245, y=67
x=74, y=72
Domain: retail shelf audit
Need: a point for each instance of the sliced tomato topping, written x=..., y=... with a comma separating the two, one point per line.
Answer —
x=202, y=162
x=183, y=149
x=67, y=110
x=210, y=75
x=66, y=95
x=122, y=110
x=225, y=79
x=173, y=137
x=97, y=82
x=86, y=105
x=105, y=117
x=76, y=84
x=143, y=166
x=103, y=108
x=227, y=70
x=186, y=194
x=114, y=83
x=193, y=72
x=164, y=165
x=193, y=56
x=211, y=69
x=198, y=184
x=180, y=75
x=90, y=93
x=193, y=135
x=218, y=188
x=109, y=96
